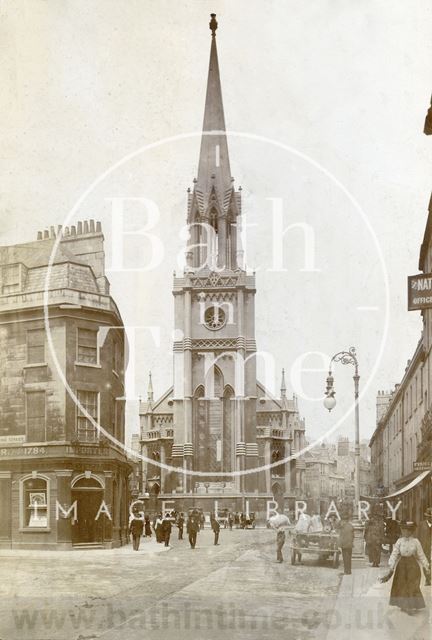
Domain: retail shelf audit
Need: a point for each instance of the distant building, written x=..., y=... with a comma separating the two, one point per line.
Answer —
x=52, y=453
x=135, y=460
x=324, y=483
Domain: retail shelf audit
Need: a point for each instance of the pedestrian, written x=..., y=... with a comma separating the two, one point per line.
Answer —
x=404, y=566
x=166, y=529
x=280, y=541
x=180, y=525
x=216, y=529
x=202, y=521
x=158, y=527
x=136, y=527
x=147, y=527
x=192, y=527
x=374, y=536
x=346, y=541
x=230, y=521
x=392, y=532
x=424, y=534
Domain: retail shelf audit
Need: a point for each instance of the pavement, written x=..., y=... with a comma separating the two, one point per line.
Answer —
x=235, y=589
x=362, y=610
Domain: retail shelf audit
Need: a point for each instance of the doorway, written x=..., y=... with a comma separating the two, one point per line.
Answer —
x=88, y=494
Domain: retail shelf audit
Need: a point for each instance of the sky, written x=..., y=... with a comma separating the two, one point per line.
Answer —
x=324, y=103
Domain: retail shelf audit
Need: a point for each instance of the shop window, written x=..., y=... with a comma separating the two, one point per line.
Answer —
x=87, y=352
x=36, y=346
x=86, y=430
x=36, y=419
x=34, y=500
x=10, y=278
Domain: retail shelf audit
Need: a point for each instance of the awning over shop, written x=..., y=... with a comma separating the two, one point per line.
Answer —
x=404, y=489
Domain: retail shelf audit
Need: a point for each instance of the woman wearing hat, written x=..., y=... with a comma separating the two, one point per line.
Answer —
x=404, y=561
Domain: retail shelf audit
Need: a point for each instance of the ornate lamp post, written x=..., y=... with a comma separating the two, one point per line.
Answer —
x=349, y=357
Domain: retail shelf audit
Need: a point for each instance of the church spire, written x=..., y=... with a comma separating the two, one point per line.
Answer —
x=214, y=167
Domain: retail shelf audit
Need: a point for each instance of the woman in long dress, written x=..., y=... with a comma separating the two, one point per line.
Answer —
x=404, y=561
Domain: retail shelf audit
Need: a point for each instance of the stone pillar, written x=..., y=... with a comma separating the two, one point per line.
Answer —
x=267, y=461
x=64, y=497
x=5, y=509
x=187, y=400
x=222, y=243
x=107, y=522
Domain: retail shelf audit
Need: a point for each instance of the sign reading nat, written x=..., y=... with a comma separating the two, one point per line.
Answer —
x=420, y=291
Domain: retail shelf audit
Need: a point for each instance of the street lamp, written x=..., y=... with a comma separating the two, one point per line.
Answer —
x=348, y=357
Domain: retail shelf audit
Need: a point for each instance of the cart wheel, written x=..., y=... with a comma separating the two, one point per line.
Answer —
x=336, y=559
x=293, y=556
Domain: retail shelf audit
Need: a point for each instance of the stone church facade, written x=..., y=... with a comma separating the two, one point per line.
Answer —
x=218, y=423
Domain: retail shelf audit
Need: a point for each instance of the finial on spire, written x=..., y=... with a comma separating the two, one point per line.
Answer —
x=150, y=388
x=283, y=385
x=213, y=24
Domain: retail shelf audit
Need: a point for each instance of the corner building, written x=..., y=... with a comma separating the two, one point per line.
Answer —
x=217, y=418
x=52, y=453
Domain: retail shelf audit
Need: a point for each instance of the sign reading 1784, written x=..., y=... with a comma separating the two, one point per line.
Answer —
x=420, y=291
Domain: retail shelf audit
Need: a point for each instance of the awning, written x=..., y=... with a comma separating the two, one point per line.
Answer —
x=404, y=489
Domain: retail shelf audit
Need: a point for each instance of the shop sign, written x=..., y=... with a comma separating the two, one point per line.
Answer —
x=420, y=292
x=422, y=466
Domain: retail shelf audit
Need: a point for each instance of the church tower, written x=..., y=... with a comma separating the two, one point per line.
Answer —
x=217, y=421
x=215, y=368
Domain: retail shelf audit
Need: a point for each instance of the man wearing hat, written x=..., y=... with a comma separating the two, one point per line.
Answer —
x=424, y=534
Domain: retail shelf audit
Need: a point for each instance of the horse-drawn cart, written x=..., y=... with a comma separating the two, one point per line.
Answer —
x=322, y=544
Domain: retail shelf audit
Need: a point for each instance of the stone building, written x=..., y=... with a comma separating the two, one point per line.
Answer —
x=401, y=444
x=63, y=482
x=217, y=423
x=324, y=482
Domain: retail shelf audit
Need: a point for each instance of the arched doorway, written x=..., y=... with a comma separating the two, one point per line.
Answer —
x=88, y=493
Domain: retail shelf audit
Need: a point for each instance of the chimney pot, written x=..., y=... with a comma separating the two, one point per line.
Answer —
x=92, y=226
x=86, y=226
x=98, y=227
x=39, y=235
x=73, y=230
x=46, y=233
x=79, y=228
x=52, y=232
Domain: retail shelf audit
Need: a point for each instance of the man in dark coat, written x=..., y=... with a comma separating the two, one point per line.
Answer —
x=280, y=541
x=346, y=541
x=136, y=527
x=424, y=534
x=166, y=529
x=180, y=524
x=216, y=529
x=193, y=525
x=374, y=536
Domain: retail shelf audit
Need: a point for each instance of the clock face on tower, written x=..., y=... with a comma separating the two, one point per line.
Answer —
x=214, y=318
